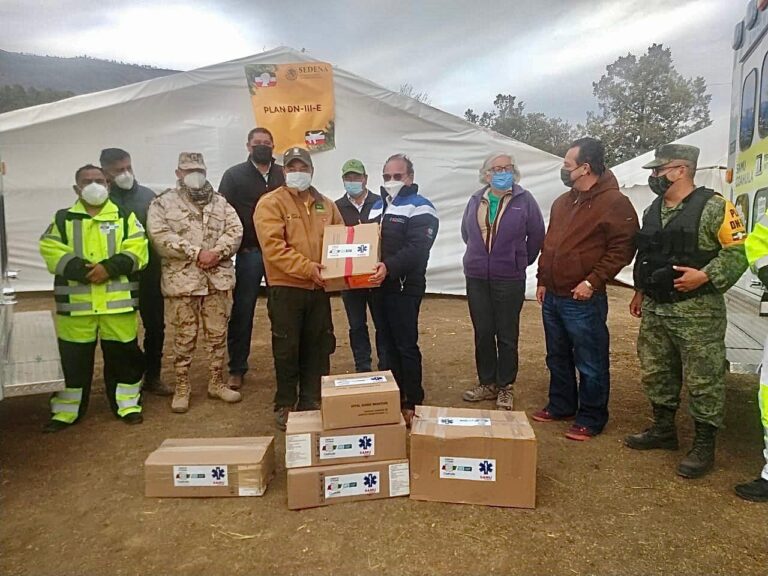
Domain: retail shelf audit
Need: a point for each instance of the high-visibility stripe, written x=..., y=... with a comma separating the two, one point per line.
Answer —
x=66, y=259
x=122, y=286
x=111, y=242
x=74, y=394
x=79, y=289
x=127, y=389
x=135, y=260
x=73, y=306
x=123, y=303
x=135, y=235
x=77, y=238
x=127, y=403
x=64, y=407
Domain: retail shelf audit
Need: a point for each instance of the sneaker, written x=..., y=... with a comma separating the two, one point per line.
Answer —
x=505, y=399
x=408, y=414
x=235, y=381
x=133, y=418
x=545, y=415
x=55, y=426
x=281, y=416
x=755, y=491
x=480, y=393
x=579, y=433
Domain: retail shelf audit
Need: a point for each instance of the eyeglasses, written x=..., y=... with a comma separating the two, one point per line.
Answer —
x=660, y=169
x=500, y=169
x=399, y=177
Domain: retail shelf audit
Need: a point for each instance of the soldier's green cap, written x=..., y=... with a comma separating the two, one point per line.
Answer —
x=671, y=152
x=191, y=161
x=353, y=165
x=297, y=153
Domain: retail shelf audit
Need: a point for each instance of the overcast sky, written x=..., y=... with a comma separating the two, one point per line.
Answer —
x=461, y=52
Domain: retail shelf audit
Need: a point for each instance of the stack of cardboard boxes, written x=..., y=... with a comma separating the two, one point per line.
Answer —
x=352, y=449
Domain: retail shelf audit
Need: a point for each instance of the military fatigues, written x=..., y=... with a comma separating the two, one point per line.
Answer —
x=686, y=338
x=86, y=312
x=757, y=254
x=180, y=229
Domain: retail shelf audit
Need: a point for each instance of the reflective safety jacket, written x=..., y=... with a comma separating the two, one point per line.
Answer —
x=757, y=247
x=112, y=238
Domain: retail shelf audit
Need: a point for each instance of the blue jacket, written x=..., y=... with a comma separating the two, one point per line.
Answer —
x=409, y=226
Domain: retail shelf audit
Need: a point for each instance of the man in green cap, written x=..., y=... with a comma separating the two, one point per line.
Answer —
x=355, y=207
x=690, y=251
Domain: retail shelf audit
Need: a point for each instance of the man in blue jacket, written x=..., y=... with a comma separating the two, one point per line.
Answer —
x=409, y=226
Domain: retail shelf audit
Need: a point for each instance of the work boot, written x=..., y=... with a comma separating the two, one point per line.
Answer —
x=55, y=426
x=217, y=389
x=480, y=392
x=235, y=381
x=155, y=385
x=661, y=436
x=133, y=418
x=701, y=458
x=505, y=400
x=755, y=491
x=180, y=402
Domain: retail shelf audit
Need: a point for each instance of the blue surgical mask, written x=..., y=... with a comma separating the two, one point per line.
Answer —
x=502, y=180
x=354, y=189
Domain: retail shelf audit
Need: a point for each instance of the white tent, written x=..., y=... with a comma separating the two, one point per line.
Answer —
x=209, y=110
x=712, y=142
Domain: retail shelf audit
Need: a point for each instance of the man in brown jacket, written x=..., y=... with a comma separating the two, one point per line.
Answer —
x=590, y=238
x=289, y=224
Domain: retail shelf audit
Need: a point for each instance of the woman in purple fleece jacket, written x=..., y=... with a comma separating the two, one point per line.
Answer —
x=503, y=230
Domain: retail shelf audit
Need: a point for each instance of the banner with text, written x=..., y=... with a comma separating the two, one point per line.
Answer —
x=295, y=102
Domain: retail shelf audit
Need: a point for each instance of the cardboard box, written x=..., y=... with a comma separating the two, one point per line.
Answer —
x=350, y=255
x=306, y=444
x=473, y=457
x=366, y=399
x=209, y=467
x=325, y=485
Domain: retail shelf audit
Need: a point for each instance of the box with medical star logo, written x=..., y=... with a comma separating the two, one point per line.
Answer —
x=473, y=457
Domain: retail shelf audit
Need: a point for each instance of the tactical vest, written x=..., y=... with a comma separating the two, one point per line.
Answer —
x=659, y=248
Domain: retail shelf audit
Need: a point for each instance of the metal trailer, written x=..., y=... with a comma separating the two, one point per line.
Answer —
x=29, y=354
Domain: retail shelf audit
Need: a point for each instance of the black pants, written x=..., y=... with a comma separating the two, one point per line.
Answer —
x=302, y=343
x=357, y=303
x=494, y=306
x=397, y=321
x=152, y=311
x=123, y=362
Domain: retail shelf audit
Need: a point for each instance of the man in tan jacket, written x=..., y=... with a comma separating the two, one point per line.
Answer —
x=195, y=231
x=289, y=223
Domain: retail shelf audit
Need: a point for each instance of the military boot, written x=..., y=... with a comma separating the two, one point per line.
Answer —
x=701, y=458
x=661, y=436
x=180, y=402
x=217, y=389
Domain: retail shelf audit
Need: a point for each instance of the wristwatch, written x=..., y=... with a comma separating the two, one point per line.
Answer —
x=589, y=285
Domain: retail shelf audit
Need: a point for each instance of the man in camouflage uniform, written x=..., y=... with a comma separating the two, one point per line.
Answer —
x=196, y=232
x=690, y=251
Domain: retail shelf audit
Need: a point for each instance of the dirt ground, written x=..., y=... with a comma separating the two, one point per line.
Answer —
x=73, y=503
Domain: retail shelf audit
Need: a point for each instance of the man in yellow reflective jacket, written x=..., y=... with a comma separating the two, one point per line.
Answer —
x=757, y=254
x=95, y=251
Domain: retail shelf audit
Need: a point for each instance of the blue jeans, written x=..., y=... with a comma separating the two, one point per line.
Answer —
x=249, y=270
x=356, y=303
x=577, y=340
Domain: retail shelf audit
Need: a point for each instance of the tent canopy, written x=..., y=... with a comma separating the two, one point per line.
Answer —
x=209, y=110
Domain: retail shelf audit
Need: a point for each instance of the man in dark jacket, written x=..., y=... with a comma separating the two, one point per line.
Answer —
x=590, y=238
x=243, y=185
x=130, y=196
x=355, y=207
x=409, y=226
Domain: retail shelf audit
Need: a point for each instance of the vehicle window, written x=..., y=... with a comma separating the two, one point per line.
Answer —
x=747, y=124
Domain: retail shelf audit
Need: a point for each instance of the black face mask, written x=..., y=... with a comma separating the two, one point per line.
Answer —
x=261, y=154
x=565, y=176
x=659, y=184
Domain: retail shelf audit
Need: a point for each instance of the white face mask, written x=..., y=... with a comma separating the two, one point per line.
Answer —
x=194, y=180
x=393, y=187
x=298, y=180
x=124, y=180
x=94, y=194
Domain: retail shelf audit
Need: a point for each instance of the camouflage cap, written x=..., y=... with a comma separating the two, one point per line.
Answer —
x=297, y=153
x=670, y=152
x=191, y=161
x=353, y=165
